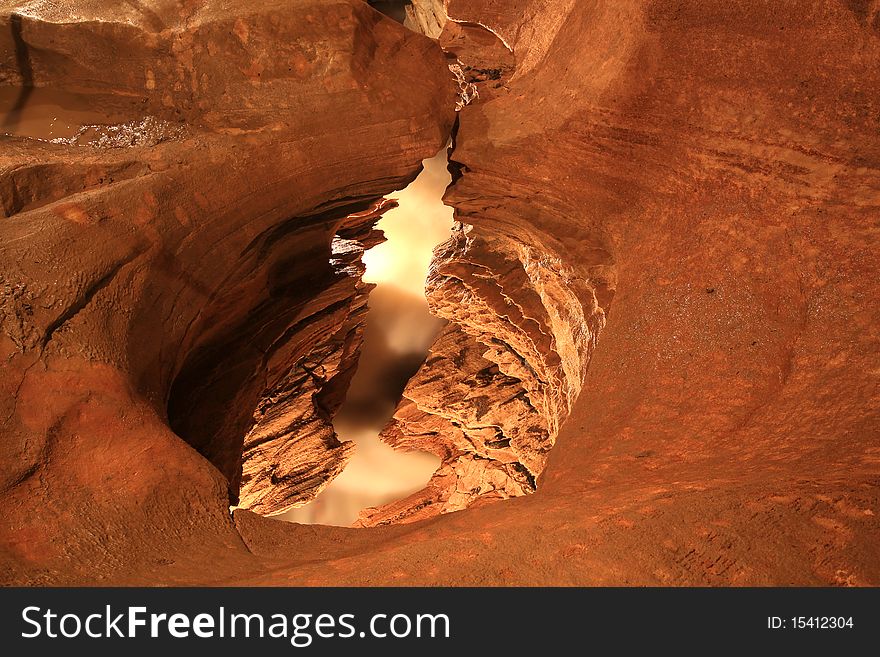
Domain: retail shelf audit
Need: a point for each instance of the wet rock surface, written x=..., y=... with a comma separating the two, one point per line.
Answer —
x=695, y=186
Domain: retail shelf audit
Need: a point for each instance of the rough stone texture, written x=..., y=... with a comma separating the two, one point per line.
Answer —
x=504, y=375
x=427, y=17
x=292, y=452
x=719, y=159
x=202, y=281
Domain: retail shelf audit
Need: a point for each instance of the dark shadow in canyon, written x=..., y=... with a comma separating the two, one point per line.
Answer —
x=225, y=368
x=395, y=9
x=23, y=61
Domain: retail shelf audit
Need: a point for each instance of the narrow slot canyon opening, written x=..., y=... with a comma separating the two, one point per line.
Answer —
x=399, y=331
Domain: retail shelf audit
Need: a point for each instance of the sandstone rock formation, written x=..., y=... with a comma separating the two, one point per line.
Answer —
x=199, y=285
x=505, y=373
x=665, y=271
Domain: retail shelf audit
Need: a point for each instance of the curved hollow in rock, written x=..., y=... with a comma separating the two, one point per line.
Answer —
x=181, y=314
x=664, y=270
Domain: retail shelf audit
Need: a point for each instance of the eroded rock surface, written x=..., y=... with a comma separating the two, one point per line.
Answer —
x=694, y=160
x=713, y=164
x=503, y=376
x=189, y=276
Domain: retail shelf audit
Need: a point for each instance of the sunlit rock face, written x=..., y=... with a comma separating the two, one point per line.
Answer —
x=506, y=371
x=427, y=16
x=291, y=451
x=180, y=265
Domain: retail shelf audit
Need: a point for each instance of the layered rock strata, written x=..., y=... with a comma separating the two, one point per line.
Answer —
x=182, y=308
x=525, y=313
x=701, y=159
x=291, y=452
x=718, y=159
x=505, y=372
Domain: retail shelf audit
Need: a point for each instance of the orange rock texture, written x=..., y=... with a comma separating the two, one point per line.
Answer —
x=662, y=292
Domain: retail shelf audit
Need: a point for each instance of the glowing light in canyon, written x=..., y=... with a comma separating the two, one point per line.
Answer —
x=398, y=333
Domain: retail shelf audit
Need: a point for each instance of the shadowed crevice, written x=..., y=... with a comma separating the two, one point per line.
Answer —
x=23, y=61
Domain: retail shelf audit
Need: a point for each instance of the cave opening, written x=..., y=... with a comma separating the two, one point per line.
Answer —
x=399, y=331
